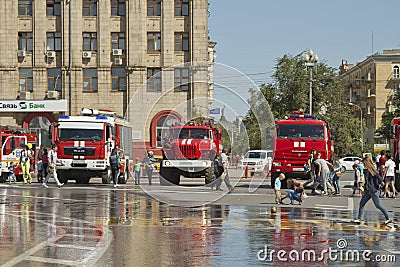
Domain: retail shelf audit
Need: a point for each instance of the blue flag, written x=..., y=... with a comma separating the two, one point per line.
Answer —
x=215, y=111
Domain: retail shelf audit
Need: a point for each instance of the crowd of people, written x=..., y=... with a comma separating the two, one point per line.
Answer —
x=371, y=181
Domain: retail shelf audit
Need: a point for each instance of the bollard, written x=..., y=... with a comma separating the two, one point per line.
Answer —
x=246, y=172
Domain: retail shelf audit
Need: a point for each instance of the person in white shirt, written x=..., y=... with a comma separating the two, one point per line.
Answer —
x=390, y=167
x=52, y=156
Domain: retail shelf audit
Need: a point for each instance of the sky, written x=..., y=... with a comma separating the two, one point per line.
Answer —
x=252, y=34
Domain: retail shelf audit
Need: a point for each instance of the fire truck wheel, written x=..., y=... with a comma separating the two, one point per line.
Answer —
x=122, y=179
x=3, y=177
x=210, y=174
x=165, y=175
x=106, y=177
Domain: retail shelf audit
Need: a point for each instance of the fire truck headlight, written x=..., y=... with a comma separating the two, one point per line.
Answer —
x=289, y=164
x=277, y=163
x=167, y=163
x=204, y=164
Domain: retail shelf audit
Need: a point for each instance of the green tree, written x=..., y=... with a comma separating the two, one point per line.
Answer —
x=289, y=91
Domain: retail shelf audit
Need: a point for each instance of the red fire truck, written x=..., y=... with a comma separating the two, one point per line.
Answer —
x=190, y=151
x=294, y=138
x=85, y=142
x=395, y=148
x=12, y=141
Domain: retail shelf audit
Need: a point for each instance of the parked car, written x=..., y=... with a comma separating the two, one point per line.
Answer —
x=348, y=162
x=257, y=161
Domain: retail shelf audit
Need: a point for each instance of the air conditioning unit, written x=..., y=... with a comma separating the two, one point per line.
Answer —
x=117, y=52
x=53, y=94
x=87, y=54
x=118, y=61
x=21, y=53
x=51, y=54
x=24, y=95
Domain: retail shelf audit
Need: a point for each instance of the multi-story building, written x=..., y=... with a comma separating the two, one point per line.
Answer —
x=370, y=86
x=134, y=57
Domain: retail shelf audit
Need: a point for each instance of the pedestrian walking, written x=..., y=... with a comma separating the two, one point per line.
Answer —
x=40, y=171
x=149, y=164
x=277, y=188
x=115, y=165
x=45, y=162
x=336, y=174
x=218, y=170
x=323, y=173
x=373, y=181
x=25, y=163
x=136, y=168
x=52, y=166
x=381, y=163
x=225, y=175
x=310, y=169
x=389, y=173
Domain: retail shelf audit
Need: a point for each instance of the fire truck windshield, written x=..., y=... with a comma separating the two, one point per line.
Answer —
x=184, y=133
x=67, y=134
x=300, y=131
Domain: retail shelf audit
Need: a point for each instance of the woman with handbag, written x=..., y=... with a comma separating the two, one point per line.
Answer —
x=337, y=174
x=373, y=181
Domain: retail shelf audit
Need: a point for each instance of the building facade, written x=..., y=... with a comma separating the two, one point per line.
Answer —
x=58, y=56
x=370, y=86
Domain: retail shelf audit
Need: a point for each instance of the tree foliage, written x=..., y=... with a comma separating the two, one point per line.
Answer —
x=289, y=91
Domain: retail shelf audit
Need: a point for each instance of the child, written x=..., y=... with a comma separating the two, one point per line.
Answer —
x=40, y=171
x=278, y=198
x=356, y=178
x=136, y=168
x=11, y=174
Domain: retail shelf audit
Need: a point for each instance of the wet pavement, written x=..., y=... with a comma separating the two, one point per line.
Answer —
x=97, y=225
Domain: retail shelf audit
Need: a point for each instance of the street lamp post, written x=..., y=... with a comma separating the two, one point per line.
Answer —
x=361, y=122
x=310, y=61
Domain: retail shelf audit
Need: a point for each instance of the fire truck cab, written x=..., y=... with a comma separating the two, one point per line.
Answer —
x=12, y=141
x=190, y=151
x=85, y=143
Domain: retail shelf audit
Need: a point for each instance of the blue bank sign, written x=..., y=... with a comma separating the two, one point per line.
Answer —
x=33, y=106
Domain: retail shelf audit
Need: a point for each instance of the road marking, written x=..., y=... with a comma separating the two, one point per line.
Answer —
x=350, y=204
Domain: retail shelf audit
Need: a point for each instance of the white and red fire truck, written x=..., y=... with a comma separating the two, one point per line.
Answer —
x=85, y=143
x=190, y=151
x=12, y=143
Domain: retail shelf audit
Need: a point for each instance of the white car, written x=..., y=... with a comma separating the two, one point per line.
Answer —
x=257, y=161
x=348, y=162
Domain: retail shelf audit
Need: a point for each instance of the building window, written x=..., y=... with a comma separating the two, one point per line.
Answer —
x=25, y=79
x=24, y=7
x=163, y=126
x=118, y=78
x=153, y=41
x=118, y=40
x=89, y=8
x=54, y=79
x=181, y=7
x=54, y=41
x=89, y=41
x=181, y=79
x=153, y=7
x=117, y=7
x=181, y=41
x=25, y=41
x=90, y=80
x=154, y=80
x=396, y=71
x=53, y=7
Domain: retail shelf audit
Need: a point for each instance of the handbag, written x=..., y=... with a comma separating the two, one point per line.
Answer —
x=50, y=169
x=223, y=175
x=338, y=174
x=299, y=190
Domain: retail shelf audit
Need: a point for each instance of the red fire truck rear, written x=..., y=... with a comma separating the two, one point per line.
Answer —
x=395, y=149
x=85, y=143
x=190, y=151
x=13, y=140
x=294, y=139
